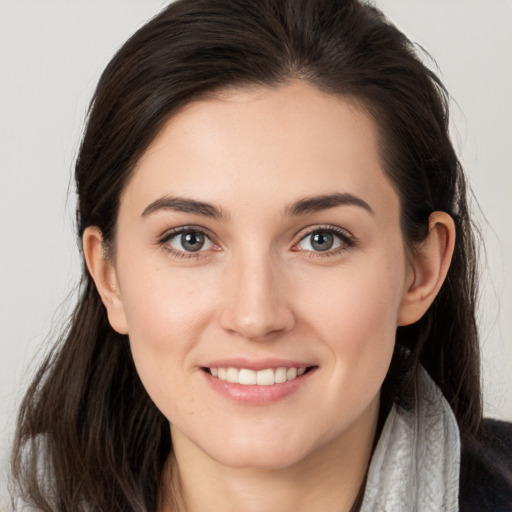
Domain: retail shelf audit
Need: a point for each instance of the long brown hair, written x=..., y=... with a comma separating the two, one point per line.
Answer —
x=89, y=437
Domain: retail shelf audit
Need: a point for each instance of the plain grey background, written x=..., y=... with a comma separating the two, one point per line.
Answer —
x=51, y=55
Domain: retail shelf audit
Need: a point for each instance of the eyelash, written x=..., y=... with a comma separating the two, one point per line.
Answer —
x=169, y=235
x=347, y=241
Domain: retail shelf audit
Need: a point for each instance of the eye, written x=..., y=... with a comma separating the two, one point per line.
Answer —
x=324, y=240
x=188, y=241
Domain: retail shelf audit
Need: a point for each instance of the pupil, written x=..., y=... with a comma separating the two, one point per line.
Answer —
x=322, y=241
x=192, y=241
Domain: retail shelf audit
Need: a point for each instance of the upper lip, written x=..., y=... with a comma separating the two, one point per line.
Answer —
x=256, y=364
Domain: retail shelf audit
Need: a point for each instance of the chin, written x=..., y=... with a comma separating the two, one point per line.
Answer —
x=272, y=452
x=261, y=459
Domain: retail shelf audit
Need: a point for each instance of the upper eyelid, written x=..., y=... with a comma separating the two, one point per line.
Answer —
x=322, y=227
x=166, y=235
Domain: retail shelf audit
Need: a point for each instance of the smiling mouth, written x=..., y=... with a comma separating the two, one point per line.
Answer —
x=265, y=377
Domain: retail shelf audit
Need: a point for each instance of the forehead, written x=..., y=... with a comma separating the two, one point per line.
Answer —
x=243, y=146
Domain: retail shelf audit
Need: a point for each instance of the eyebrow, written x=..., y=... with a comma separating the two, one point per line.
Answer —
x=324, y=202
x=301, y=207
x=181, y=204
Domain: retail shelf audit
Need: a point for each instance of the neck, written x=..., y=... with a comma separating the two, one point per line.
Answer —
x=327, y=480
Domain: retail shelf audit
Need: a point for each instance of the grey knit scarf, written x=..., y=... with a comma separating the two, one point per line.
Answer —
x=415, y=465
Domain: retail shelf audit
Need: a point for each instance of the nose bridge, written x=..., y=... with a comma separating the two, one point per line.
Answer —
x=256, y=296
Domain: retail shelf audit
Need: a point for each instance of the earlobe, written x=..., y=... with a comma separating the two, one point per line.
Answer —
x=102, y=271
x=428, y=267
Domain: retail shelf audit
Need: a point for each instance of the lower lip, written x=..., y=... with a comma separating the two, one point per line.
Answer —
x=258, y=395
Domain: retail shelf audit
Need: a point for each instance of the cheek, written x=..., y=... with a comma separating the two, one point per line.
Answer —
x=355, y=313
x=166, y=312
x=356, y=300
x=163, y=303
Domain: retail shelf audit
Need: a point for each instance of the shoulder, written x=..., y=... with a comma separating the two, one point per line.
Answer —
x=486, y=470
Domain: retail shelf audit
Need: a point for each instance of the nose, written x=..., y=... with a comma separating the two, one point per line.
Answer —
x=254, y=299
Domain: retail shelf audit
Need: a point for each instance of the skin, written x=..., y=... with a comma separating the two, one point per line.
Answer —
x=260, y=290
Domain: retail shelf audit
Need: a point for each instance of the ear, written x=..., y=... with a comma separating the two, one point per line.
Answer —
x=103, y=272
x=428, y=268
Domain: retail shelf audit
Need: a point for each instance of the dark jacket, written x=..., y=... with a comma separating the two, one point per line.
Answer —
x=486, y=470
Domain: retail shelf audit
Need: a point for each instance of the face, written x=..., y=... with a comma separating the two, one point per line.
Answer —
x=261, y=273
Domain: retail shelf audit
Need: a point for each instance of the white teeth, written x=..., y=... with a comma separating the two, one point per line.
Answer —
x=265, y=377
x=246, y=377
x=280, y=375
x=291, y=373
x=232, y=375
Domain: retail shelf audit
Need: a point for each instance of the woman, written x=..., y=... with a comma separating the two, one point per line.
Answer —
x=278, y=293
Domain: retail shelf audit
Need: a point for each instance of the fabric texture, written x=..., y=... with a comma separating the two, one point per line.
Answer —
x=416, y=463
x=486, y=470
